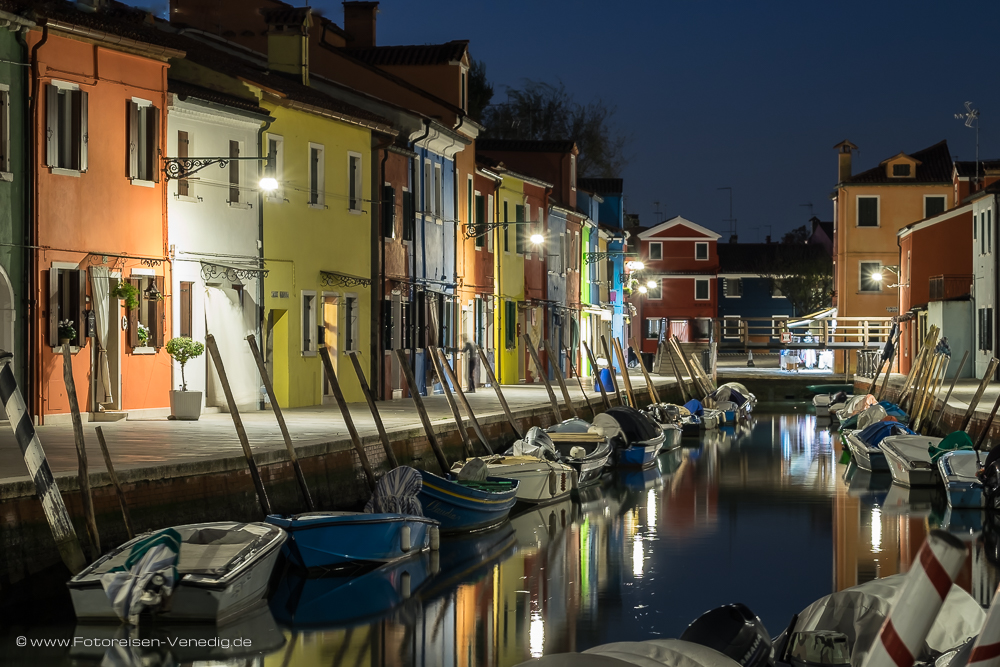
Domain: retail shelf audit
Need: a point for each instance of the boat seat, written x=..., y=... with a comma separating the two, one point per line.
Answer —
x=207, y=558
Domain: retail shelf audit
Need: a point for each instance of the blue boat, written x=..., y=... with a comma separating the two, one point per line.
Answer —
x=864, y=444
x=463, y=506
x=637, y=439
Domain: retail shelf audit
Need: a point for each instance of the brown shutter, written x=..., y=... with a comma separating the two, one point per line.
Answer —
x=52, y=126
x=133, y=315
x=132, y=142
x=53, y=307
x=158, y=325
x=154, y=144
x=83, y=134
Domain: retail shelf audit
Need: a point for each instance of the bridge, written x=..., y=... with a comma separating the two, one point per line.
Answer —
x=821, y=333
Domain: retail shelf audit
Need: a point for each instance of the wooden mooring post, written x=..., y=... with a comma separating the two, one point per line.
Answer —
x=499, y=392
x=543, y=373
x=611, y=367
x=579, y=381
x=597, y=374
x=654, y=396
x=626, y=380
x=452, y=404
x=463, y=399
x=114, y=481
x=81, y=452
x=411, y=384
x=954, y=381
x=554, y=361
x=379, y=426
x=338, y=395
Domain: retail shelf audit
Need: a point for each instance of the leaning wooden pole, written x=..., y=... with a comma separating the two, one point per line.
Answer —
x=681, y=382
x=241, y=433
x=446, y=386
x=338, y=395
x=545, y=377
x=597, y=374
x=888, y=370
x=925, y=391
x=626, y=380
x=366, y=390
x=954, y=381
x=114, y=482
x=654, y=396
x=464, y=400
x=935, y=389
x=579, y=381
x=986, y=427
x=53, y=506
x=554, y=361
x=611, y=367
x=499, y=392
x=695, y=380
x=81, y=452
x=411, y=384
x=878, y=371
x=987, y=377
x=285, y=435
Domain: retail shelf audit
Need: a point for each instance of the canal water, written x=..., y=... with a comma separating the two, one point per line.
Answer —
x=764, y=514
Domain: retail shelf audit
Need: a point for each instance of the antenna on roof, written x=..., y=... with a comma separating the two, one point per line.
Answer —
x=971, y=117
x=731, y=220
x=657, y=213
x=811, y=214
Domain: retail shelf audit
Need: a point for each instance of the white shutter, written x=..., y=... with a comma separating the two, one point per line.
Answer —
x=133, y=140
x=83, y=129
x=51, y=126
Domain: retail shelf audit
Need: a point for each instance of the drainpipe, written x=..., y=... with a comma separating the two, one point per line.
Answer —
x=414, y=181
x=498, y=253
x=33, y=369
x=378, y=261
x=456, y=319
x=260, y=248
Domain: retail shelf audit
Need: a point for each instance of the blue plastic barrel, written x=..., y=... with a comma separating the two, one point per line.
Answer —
x=605, y=379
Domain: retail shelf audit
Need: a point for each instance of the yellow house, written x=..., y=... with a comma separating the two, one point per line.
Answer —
x=509, y=267
x=868, y=209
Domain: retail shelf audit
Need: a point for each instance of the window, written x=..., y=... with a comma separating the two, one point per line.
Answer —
x=149, y=314
x=867, y=283
x=317, y=177
x=510, y=325
x=464, y=100
x=656, y=292
x=428, y=206
x=653, y=326
x=388, y=211
x=480, y=221
x=900, y=170
x=355, y=182
x=506, y=229
x=187, y=311
x=351, y=323
x=143, y=141
x=989, y=230
x=985, y=329
x=867, y=211
x=776, y=292
x=409, y=216
x=66, y=127
x=555, y=259
x=732, y=287
x=234, y=173
x=701, y=251
x=5, y=148
x=574, y=257
x=310, y=334
x=655, y=251
x=183, y=151
x=67, y=296
x=701, y=290
x=275, y=167
x=982, y=233
x=572, y=172
x=933, y=205
x=438, y=192
x=731, y=327
x=520, y=231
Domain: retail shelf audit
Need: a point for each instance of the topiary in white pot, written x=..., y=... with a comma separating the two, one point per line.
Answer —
x=185, y=404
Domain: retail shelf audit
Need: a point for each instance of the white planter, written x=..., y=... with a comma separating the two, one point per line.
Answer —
x=185, y=405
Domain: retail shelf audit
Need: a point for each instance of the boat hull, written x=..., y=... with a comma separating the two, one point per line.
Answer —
x=461, y=508
x=538, y=480
x=329, y=539
x=909, y=465
x=867, y=458
x=963, y=489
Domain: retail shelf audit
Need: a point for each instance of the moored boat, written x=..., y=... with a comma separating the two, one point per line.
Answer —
x=909, y=459
x=582, y=447
x=962, y=486
x=539, y=480
x=865, y=447
x=196, y=572
x=467, y=505
x=637, y=439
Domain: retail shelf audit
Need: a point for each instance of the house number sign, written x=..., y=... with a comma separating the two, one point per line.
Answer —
x=124, y=323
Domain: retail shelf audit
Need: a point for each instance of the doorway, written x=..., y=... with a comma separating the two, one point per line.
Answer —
x=329, y=332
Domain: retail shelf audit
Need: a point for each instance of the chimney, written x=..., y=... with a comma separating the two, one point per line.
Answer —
x=844, y=149
x=288, y=40
x=733, y=239
x=359, y=24
x=767, y=239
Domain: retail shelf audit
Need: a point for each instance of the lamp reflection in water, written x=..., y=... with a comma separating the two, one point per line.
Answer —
x=876, y=530
x=536, y=635
x=638, y=554
x=651, y=509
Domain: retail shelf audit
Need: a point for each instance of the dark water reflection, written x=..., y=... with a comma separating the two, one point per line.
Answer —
x=764, y=515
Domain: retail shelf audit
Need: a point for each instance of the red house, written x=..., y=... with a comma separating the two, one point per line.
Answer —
x=681, y=262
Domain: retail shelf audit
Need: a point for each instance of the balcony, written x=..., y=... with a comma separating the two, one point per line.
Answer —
x=945, y=288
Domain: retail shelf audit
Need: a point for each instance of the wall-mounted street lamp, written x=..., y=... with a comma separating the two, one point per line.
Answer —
x=537, y=239
x=179, y=168
x=591, y=257
x=472, y=230
x=878, y=276
x=651, y=284
x=642, y=289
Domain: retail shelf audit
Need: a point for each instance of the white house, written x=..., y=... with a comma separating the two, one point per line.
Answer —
x=984, y=259
x=214, y=229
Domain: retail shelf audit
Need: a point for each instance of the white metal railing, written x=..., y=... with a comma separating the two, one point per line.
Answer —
x=820, y=332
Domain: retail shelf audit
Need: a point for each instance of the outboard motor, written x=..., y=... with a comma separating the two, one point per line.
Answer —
x=735, y=631
x=990, y=477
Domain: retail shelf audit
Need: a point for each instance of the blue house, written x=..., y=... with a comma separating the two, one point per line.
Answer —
x=745, y=293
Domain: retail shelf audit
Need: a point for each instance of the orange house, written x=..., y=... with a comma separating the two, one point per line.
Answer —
x=100, y=214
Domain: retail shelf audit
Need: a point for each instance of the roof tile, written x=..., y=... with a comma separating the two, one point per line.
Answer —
x=935, y=167
x=417, y=54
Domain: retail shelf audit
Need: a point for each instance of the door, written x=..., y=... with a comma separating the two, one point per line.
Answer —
x=330, y=328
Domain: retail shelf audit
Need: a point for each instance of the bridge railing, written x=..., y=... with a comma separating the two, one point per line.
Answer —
x=824, y=332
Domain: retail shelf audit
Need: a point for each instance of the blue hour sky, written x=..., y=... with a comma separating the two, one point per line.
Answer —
x=749, y=95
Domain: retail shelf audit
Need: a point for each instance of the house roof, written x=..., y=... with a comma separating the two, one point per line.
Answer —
x=934, y=166
x=679, y=221
x=934, y=219
x=527, y=145
x=185, y=90
x=967, y=168
x=416, y=54
x=286, y=14
x=752, y=257
x=601, y=186
x=825, y=227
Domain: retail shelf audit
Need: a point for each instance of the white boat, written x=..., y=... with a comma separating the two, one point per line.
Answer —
x=866, y=458
x=825, y=406
x=671, y=436
x=222, y=569
x=961, y=485
x=911, y=501
x=711, y=418
x=539, y=480
x=909, y=461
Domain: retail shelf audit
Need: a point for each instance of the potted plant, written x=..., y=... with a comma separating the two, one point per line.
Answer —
x=67, y=332
x=128, y=293
x=142, y=333
x=185, y=404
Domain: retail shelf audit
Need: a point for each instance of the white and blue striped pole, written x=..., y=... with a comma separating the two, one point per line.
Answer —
x=38, y=467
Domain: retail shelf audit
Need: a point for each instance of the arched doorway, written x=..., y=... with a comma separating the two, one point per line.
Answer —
x=7, y=312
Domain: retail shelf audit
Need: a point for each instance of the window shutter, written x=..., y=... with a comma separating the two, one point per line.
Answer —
x=409, y=216
x=5, y=139
x=388, y=211
x=54, y=307
x=154, y=145
x=78, y=283
x=83, y=135
x=52, y=127
x=133, y=139
x=158, y=325
x=133, y=315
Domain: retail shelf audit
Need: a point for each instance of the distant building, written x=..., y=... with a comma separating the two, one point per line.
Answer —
x=822, y=234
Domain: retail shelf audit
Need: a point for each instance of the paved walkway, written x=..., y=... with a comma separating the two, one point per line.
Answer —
x=160, y=442
x=965, y=389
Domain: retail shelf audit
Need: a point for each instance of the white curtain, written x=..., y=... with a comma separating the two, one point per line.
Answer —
x=225, y=320
x=100, y=283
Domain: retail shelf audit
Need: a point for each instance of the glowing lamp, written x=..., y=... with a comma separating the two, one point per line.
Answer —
x=537, y=239
x=268, y=184
x=642, y=289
